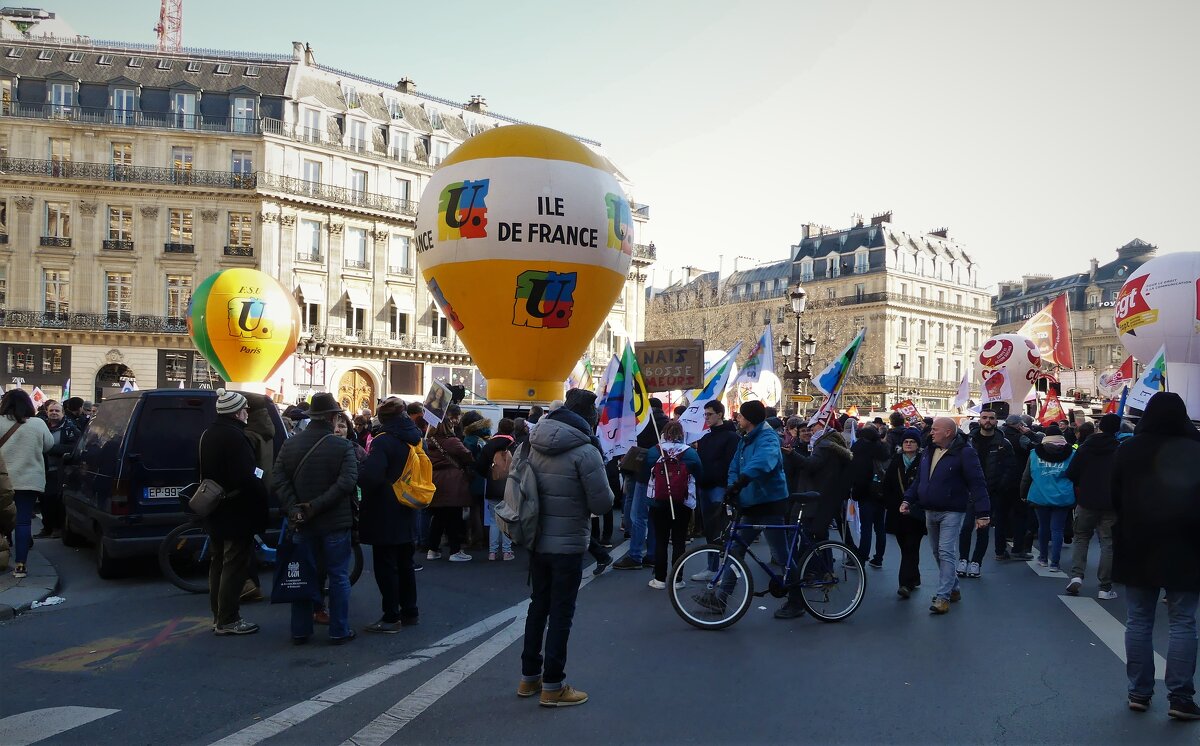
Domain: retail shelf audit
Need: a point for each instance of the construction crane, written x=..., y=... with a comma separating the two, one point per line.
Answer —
x=170, y=26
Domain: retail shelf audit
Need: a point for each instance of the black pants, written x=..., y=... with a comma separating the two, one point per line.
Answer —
x=910, y=558
x=227, y=577
x=52, y=507
x=964, y=539
x=674, y=530
x=1020, y=512
x=555, y=581
x=396, y=580
x=1001, y=521
x=602, y=528
x=450, y=522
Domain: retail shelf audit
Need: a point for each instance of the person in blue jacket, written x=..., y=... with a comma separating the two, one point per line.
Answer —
x=1046, y=486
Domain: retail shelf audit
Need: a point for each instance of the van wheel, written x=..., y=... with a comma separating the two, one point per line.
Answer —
x=106, y=564
x=71, y=538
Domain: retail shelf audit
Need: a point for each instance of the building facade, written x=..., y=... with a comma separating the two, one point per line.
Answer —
x=1091, y=296
x=127, y=176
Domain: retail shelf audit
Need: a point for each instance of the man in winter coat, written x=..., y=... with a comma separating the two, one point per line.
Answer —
x=869, y=459
x=637, y=510
x=227, y=458
x=950, y=477
x=996, y=459
x=572, y=486
x=826, y=469
x=1154, y=486
x=314, y=478
x=1015, y=431
x=384, y=523
x=716, y=449
x=895, y=433
x=1091, y=472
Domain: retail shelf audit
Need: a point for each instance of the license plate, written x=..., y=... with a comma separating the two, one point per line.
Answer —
x=153, y=492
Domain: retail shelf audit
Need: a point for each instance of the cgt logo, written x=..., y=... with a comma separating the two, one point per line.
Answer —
x=462, y=210
x=544, y=299
x=620, y=223
x=1132, y=309
x=246, y=318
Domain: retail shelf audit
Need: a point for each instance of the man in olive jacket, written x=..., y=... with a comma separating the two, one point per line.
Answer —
x=315, y=478
x=572, y=486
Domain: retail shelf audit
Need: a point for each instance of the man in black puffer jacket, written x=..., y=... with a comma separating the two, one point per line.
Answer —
x=869, y=457
x=314, y=478
x=227, y=458
x=716, y=450
x=1091, y=471
x=384, y=523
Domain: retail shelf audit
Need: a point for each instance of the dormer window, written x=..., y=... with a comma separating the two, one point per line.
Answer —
x=164, y=65
x=75, y=57
x=45, y=54
x=15, y=53
x=193, y=67
x=104, y=59
x=350, y=93
x=251, y=71
x=223, y=69
x=435, y=118
x=135, y=61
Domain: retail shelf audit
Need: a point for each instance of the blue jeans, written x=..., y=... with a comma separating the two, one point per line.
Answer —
x=943, y=527
x=766, y=514
x=641, y=538
x=421, y=526
x=872, y=515
x=336, y=550
x=1051, y=523
x=25, y=500
x=496, y=537
x=1181, y=645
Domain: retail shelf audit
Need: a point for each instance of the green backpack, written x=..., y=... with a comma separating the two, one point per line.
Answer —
x=517, y=515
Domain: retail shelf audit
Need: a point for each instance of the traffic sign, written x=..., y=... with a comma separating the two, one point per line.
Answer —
x=800, y=398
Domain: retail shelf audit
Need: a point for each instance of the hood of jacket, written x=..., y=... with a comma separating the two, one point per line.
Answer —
x=560, y=431
x=402, y=427
x=1100, y=445
x=1053, y=452
x=835, y=442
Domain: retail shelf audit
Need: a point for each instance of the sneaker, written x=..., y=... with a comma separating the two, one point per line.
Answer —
x=251, y=593
x=973, y=570
x=1106, y=593
x=1042, y=562
x=656, y=584
x=627, y=563
x=432, y=555
x=704, y=576
x=1184, y=709
x=939, y=606
x=321, y=617
x=343, y=640
x=418, y=567
x=904, y=591
x=1003, y=557
x=679, y=584
x=19, y=571
x=1024, y=556
x=509, y=556
x=529, y=688
x=240, y=627
x=789, y=611
x=1055, y=568
x=601, y=565
x=1074, y=586
x=1138, y=703
x=565, y=696
x=460, y=556
x=491, y=556
x=876, y=563
x=710, y=601
x=955, y=595
x=962, y=568
x=648, y=562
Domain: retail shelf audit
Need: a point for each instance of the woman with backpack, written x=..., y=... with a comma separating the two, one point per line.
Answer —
x=674, y=468
x=451, y=460
x=477, y=431
x=492, y=465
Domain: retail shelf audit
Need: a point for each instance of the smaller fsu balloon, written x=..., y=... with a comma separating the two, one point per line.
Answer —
x=1019, y=355
x=244, y=323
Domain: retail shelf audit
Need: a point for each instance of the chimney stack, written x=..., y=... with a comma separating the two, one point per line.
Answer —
x=883, y=217
x=297, y=51
x=940, y=232
x=309, y=57
x=477, y=104
x=406, y=85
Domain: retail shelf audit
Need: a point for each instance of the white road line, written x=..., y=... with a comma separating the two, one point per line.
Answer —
x=1105, y=626
x=406, y=710
x=1045, y=571
x=38, y=725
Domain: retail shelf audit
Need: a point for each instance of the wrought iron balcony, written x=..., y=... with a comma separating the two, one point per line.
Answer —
x=127, y=118
x=313, y=257
x=340, y=195
x=640, y=211
x=322, y=138
x=357, y=264
x=239, y=251
x=112, y=244
x=55, y=242
x=119, y=321
x=179, y=248
x=130, y=174
x=401, y=271
x=399, y=340
x=645, y=251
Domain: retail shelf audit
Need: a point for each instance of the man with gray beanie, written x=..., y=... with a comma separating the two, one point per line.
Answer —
x=1091, y=471
x=572, y=486
x=227, y=458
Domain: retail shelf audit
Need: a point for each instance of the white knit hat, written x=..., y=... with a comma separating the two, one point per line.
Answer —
x=230, y=402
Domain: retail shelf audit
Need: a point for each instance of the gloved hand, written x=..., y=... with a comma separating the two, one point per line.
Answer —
x=735, y=489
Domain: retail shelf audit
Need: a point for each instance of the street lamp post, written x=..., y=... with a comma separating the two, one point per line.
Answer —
x=896, y=368
x=804, y=344
x=311, y=350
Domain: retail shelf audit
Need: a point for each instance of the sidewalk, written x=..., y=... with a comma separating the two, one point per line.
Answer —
x=18, y=595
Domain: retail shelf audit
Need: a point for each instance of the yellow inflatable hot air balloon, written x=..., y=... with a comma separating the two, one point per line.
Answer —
x=244, y=323
x=525, y=240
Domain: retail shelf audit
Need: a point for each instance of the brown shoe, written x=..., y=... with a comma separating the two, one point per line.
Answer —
x=562, y=697
x=955, y=595
x=529, y=688
x=940, y=606
x=251, y=593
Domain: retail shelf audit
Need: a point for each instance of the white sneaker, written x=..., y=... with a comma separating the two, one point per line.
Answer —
x=1074, y=586
x=704, y=576
x=973, y=570
x=1106, y=595
x=657, y=585
x=432, y=555
x=460, y=556
x=680, y=584
x=962, y=568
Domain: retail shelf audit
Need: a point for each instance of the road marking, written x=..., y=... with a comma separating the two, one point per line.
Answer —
x=1045, y=572
x=119, y=652
x=1105, y=626
x=38, y=725
x=406, y=710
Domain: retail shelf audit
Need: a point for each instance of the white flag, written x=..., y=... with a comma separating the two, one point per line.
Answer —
x=964, y=390
x=762, y=359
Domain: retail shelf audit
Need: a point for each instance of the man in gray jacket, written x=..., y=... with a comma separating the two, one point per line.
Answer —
x=572, y=486
x=314, y=477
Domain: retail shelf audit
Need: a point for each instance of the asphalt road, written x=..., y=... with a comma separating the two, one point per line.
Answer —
x=1011, y=663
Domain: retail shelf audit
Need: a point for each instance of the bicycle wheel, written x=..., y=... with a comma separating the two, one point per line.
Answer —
x=706, y=598
x=832, y=581
x=184, y=557
x=356, y=563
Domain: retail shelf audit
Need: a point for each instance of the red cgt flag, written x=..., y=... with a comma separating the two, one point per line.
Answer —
x=1050, y=330
x=1052, y=411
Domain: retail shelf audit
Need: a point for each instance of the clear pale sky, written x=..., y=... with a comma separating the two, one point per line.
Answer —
x=1042, y=133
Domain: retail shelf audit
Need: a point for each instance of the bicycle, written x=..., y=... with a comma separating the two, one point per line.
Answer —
x=184, y=556
x=828, y=573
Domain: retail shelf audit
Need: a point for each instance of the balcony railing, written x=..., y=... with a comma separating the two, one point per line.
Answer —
x=239, y=251
x=640, y=211
x=131, y=174
x=179, y=248
x=357, y=264
x=401, y=271
x=338, y=335
x=645, y=251
x=55, y=242
x=113, y=244
x=313, y=257
x=322, y=138
x=126, y=118
x=92, y=321
x=341, y=195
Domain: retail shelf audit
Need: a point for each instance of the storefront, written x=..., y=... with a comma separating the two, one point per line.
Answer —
x=47, y=367
x=186, y=369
